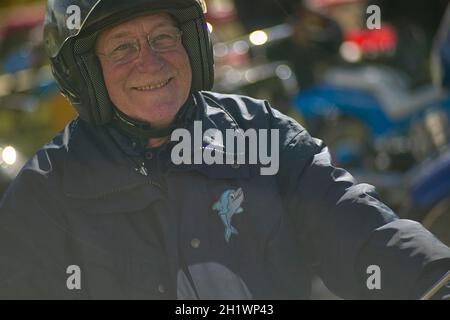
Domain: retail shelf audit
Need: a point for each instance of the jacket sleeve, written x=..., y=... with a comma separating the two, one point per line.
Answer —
x=347, y=230
x=32, y=238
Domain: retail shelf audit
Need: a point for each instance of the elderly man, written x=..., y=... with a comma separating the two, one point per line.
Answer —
x=103, y=211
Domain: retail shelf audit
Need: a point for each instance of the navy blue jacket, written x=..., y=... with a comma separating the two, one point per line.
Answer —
x=86, y=199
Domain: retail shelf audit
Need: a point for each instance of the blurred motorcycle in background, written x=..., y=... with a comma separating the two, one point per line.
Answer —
x=429, y=185
x=367, y=107
x=371, y=119
x=387, y=131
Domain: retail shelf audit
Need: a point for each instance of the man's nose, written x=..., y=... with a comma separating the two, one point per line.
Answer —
x=148, y=59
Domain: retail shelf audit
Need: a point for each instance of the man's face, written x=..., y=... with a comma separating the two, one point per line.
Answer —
x=154, y=85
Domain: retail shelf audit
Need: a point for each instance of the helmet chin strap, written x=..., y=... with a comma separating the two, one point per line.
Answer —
x=143, y=131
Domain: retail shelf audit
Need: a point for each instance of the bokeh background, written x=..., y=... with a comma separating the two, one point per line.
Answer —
x=370, y=94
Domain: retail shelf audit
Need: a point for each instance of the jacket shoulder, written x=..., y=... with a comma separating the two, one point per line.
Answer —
x=43, y=171
x=297, y=146
x=249, y=112
x=260, y=114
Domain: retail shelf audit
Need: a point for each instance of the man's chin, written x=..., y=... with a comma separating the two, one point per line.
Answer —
x=155, y=120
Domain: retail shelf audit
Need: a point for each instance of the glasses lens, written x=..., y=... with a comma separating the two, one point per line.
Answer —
x=128, y=49
x=124, y=52
x=166, y=39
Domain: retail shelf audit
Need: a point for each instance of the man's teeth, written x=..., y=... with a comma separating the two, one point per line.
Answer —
x=154, y=86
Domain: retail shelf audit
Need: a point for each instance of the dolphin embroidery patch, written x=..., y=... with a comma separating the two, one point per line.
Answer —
x=228, y=205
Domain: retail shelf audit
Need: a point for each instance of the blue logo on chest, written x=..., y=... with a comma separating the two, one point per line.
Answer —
x=228, y=205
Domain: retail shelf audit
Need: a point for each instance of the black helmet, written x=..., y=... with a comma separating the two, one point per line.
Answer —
x=77, y=69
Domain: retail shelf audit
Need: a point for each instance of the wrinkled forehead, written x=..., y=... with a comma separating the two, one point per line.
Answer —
x=145, y=23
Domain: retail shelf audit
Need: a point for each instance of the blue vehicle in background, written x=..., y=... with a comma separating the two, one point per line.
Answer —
x=371, y=119
x=429, y=185
x=429, y=195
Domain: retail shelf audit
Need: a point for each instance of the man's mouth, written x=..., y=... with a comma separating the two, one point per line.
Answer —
x=151, y=87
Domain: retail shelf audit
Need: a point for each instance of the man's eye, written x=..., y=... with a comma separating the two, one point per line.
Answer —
x=123, y=47
x=164, y=40
x=163, y=36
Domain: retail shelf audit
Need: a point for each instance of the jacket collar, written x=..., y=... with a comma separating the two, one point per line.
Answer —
x=215, y=120
x=102, y=163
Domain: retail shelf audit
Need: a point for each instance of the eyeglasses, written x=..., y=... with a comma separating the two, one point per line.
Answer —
x=126, y=50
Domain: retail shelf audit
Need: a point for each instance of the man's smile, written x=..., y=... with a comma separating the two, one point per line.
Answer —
x=151, y=87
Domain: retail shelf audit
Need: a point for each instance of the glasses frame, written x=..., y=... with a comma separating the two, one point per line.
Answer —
x=150, y=39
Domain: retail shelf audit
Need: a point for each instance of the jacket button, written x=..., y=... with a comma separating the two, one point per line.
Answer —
x=235, y=165
x=161, y=289
x=195, y=243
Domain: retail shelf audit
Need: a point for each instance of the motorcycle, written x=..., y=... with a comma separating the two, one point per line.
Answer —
x=371, y=119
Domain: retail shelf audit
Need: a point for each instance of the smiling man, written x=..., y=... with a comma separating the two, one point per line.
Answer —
x=102, y=211
x=146, y=68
